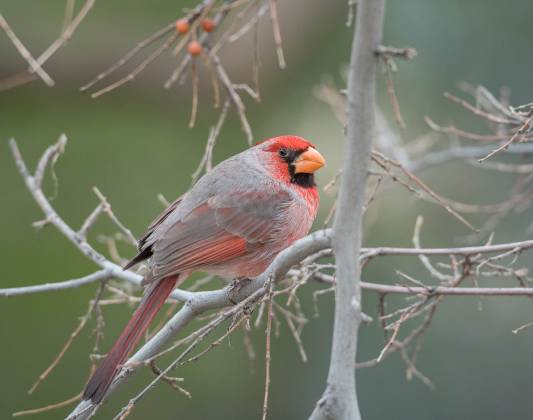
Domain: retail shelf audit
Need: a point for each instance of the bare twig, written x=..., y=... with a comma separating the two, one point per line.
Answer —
x=67, y=32
x=192, y=17
x=431, y=160
x=381, y=160
x=273, y=5
x=235, y=98
x=389, y=66
x=34, y=64
x=522, y=327
x=173, y=382
x=207, y=159
x=101, y=275
x=132, y=53
x=423, y=258
x=250, y=24
x=195, y=81
x=113, y=270
x=93, y=304
x=267, y=351
x=130, y=76
x=477, y=111
x=106, y=208
x=522, y=130
x=49, y=407
x=433, y=291
x=395, y=52
x=69, y=13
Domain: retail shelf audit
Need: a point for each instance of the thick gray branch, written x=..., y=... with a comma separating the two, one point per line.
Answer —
x=339, y=400
x=216, y=299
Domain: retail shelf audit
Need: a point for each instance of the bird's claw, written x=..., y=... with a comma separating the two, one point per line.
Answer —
x=235, y=287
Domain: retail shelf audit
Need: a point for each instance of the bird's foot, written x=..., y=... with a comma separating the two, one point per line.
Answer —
x=235, y=288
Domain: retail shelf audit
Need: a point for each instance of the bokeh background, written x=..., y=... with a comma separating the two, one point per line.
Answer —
x=134, y=143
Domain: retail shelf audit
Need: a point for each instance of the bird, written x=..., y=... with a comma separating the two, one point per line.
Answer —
x=231, y=223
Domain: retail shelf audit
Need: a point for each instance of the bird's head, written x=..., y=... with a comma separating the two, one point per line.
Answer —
x=292, y=159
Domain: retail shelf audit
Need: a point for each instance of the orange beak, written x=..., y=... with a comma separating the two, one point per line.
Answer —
x=308, y=162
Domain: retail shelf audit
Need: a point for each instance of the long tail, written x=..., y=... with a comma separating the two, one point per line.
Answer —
x=150, y=305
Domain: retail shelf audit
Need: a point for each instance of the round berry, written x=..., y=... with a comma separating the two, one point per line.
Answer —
x=194, y=48
x=208, y=25
x=182, y=26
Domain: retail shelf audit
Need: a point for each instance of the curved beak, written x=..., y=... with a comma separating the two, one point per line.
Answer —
x=308, y=162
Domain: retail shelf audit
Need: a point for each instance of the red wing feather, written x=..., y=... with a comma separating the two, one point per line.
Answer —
x=195, y=242
x=224, y=228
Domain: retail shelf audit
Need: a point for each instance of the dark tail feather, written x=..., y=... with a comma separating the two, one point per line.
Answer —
x=150, y=305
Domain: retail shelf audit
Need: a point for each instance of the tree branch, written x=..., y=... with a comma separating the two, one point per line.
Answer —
x=466, y=250
x=431, y=160
x=201, y=302
x=79, y=241
x=34, y=64
x=61, y=285
x=339, y=400
x=66, y=33
x=433, y=290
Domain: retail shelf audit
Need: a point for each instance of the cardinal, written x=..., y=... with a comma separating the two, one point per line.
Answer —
x=232, y=223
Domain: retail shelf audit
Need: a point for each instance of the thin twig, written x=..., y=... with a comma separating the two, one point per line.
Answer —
x=380, y=159
x=392, y=93
x=273, y=5
x=34, y=64
x=106, y=208
x=523, y=129
x=173, y=382
x=477, y=111
x=49, y=407
x=132, y=53
x=207, y=158
x=69, y=13
x=66, y=33
x=235, y=98
x=93, y=304
x=267, y=350
x=77, y=240
x=101, y=275
x=130, y=76
x=194, y=106
x=252, y=23
x=395, y=52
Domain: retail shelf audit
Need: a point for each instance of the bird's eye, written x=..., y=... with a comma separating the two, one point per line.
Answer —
x=283, y=153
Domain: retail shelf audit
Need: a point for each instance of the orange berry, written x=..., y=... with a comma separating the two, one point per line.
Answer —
x=208, y=25
x=182, y=26
x=194, y=48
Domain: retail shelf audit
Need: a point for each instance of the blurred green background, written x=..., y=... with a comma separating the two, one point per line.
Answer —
x=134, y=143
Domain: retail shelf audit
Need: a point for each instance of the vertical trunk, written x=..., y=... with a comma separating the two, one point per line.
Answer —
x=339, y=400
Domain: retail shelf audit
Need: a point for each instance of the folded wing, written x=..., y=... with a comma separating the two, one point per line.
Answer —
x=220, y=230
